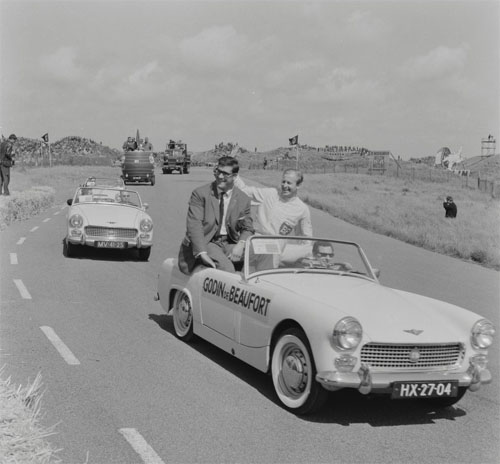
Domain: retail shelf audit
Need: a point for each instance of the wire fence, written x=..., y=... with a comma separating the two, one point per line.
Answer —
x=464, y=179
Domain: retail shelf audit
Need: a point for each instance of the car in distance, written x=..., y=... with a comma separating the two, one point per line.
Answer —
x=108, y=217
x=322, y=322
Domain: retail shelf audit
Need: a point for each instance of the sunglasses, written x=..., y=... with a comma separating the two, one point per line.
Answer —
x=224, y=174
x=326, y=254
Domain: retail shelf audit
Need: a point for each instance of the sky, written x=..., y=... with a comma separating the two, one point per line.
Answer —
x=407, y=76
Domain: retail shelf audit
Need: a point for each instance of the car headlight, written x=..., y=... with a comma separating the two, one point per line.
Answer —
x=347, y=333
x=76, y=220
x=482, y=333
x=146, y=225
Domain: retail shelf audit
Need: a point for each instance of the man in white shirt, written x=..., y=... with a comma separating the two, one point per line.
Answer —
x=280, y=211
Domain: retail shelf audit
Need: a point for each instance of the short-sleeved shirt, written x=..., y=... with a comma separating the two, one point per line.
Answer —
x=276, y=216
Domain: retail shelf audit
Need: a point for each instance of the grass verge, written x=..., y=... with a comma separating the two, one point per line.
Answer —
x=408, y=210
x=22, y=439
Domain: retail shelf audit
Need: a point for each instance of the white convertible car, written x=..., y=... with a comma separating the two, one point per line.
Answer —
x=312, y=313
x=108, y=217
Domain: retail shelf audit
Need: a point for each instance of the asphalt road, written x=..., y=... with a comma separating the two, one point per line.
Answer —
x=122, y=389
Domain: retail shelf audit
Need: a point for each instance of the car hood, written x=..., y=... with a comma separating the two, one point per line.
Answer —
x=108, y=215
x=380, y=310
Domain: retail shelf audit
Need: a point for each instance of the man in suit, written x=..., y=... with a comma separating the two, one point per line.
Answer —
x=218, y=222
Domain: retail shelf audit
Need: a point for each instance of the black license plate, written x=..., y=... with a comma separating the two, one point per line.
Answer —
x=103, y=244
x=424, y=389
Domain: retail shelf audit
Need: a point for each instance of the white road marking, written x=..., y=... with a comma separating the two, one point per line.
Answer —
x=59, y=345
x=22, y=289
x=56, y=213
x=21, y=241
x=34, y=228
x=46, y=220
x=141, y=447
x=13, y=258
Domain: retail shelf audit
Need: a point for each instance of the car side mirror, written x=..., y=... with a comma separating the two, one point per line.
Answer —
x=69, y=202
x=376, y=272
x=145, y=206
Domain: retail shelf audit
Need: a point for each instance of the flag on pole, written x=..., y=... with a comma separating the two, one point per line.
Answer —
x=45, y=137
x=294, y=140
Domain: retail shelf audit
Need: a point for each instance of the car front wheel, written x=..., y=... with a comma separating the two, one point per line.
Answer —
x=183, y=316
x=293, y=372
x=69, y=250
x=144, y=253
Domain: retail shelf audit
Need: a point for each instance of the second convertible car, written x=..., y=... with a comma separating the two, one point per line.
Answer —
x=106, y=217
x=312, y=314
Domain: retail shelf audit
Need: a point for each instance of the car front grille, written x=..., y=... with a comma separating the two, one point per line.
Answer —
x=110, y=232
x=380, y=356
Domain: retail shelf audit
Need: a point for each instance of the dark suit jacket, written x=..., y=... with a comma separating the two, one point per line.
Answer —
x=6, y=154
x=203, y=220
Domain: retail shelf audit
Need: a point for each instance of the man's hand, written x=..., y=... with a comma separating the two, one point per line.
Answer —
x=207, y=261
x=236, y=254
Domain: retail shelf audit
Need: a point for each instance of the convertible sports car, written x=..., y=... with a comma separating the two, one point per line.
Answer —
x=106, y=217
x=312, y=313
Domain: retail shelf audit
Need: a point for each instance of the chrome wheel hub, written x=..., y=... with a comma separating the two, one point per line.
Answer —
x=294, y=372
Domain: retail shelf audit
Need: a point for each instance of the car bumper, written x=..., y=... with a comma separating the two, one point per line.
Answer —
x=139, y=242
x=367, y=381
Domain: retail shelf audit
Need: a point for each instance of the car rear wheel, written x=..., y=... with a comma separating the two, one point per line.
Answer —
x=293, y=372
x=144, y=253
x=183, y=316
x=152, y=181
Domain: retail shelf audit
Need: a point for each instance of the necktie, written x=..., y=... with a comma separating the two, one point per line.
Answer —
x=221, y=212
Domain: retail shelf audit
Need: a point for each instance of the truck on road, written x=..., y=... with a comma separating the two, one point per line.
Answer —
x=176, y=158
x=138, y=163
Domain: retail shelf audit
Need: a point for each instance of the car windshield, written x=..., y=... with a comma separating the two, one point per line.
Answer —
x=103, y=182
x=275, y=254
x=107, y=195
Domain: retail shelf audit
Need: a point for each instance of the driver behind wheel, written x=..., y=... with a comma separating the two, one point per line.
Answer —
x=322, y=258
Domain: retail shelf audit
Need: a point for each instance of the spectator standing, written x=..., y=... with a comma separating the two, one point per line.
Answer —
x=450, y=207
x=6, y=162
x=148, y=146
x=218, y=222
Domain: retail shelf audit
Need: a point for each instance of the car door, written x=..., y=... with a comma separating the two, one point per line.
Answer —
x=254, y=304
x=217, y=295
